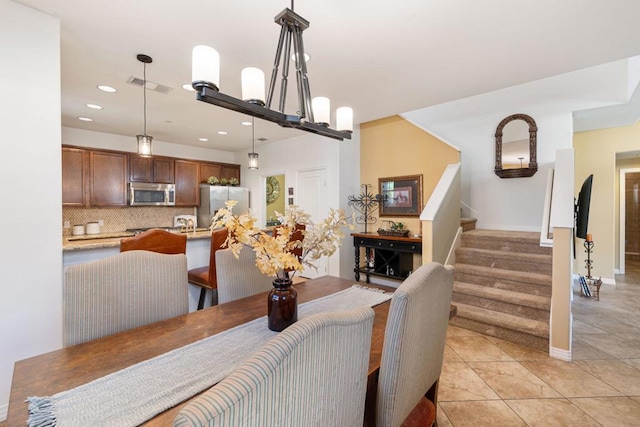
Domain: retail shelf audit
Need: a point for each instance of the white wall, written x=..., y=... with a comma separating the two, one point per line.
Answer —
x=31, y=253
x=470, y=125
x=304, y=152
x=108, y=141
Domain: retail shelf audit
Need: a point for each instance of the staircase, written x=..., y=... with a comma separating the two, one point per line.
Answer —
x=502, y=286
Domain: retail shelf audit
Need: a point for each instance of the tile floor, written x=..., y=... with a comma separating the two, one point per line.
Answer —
x=490, y=382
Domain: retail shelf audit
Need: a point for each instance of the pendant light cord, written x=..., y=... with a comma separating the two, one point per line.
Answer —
x=144, y=95
x=253, y=136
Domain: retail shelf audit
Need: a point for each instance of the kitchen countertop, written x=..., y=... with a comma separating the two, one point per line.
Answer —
x=110, y=240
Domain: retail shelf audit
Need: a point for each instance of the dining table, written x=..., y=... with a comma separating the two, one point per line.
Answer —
x=64, y=369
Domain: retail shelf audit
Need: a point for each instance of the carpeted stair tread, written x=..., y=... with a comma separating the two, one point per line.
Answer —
x=503, y=320
x=507, y=241
x=516, y=298
x=498, y=273
x=516, y=261
x=532, y=258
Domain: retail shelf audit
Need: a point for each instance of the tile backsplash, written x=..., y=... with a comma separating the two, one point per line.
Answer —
x=120, y=219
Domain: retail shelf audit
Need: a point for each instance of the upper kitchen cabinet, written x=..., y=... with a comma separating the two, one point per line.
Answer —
x=187, y=190
x=151, y=169
x=108, y=172
x=230, y=171
x=75, y=171
x=209, y=169
x=219, y=170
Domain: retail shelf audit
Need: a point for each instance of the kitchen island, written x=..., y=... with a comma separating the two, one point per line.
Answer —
x=87, y=248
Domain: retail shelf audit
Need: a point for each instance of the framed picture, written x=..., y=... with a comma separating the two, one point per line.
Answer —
x=401, y=195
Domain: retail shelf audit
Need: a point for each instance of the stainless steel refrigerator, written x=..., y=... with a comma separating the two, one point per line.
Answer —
x=213, y=197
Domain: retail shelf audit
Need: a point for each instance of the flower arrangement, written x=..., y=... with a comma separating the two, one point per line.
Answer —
x=213, y=180
x=274, y=253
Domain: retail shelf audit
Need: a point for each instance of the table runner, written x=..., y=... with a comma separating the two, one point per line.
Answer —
x=136, y=394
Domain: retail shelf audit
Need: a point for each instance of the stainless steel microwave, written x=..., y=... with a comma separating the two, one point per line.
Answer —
x=151, y=194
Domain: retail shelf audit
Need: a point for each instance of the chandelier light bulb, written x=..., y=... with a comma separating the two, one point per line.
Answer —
x=321, y=110
x=344, y=119
x=253, y=85
x=205, y=66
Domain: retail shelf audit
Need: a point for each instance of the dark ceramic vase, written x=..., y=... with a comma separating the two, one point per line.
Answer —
x=282, y=305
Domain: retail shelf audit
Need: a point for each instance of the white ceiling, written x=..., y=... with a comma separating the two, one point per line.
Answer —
x=377, y=56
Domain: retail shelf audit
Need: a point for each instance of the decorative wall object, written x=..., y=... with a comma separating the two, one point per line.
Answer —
x=365, y=204
x=402, y=195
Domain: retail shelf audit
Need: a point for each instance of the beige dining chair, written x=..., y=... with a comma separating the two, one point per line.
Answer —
x=314, y=373
x=239, y=278
x=122, y=292
x=413, y=349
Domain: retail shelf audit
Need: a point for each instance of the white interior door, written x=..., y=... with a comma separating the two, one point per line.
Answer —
x=312, y=198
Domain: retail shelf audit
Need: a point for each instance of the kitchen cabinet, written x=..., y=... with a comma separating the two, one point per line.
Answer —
x=75, y=167
x=230, y=171
x=385, y=256
x=108, y=171
x=187, y=180
x=219, y=170
x=209, y=169
x=151, y=169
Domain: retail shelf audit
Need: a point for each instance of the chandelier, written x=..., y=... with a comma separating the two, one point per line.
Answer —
x=313, y=115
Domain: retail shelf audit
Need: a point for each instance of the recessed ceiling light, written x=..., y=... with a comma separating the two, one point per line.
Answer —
x=94, y=106
x=107, y=88
x=85, y=119
x=203, y=139
x=223, y=132
x=245, y=123
x=187, y=86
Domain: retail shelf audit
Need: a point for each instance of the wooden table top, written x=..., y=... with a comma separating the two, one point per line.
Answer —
x=70, y=367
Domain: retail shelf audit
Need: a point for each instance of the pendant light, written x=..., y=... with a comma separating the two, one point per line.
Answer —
x=144, y=140
x=253, y=156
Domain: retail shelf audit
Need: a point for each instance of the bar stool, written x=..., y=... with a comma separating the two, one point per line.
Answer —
x=156, y=240
x=205, y=277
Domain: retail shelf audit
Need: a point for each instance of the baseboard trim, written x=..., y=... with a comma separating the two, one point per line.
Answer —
x=558, y=353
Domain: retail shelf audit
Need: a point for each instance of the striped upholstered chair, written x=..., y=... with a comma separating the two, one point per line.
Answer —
x=314, y=373
x=122, y=292
x=413, y=349
x=239, y=278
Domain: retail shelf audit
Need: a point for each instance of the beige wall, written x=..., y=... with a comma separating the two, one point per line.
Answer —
x=596, y=154
x=560, y=339
x=394, y=147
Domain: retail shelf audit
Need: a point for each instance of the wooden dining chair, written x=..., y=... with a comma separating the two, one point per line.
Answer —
x=205, y=277
x=122, y=292
x=314, y=373
x=156, y=240
x=239, y=277
x=413, y=350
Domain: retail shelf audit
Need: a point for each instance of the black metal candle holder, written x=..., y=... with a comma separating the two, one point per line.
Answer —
x=365, y=204
x=591, y=286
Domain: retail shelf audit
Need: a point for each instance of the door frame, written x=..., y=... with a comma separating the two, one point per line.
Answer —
x=323, y=261
x=622, y=226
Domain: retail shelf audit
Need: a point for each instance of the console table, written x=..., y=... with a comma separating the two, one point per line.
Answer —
x=385, y=256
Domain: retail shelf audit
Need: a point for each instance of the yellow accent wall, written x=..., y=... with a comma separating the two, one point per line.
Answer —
x=596, y=154
x=278, y=204
x=394, y=147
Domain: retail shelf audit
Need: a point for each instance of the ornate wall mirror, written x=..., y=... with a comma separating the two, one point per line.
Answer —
x=516, y=143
